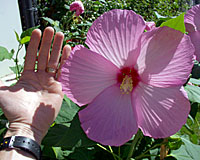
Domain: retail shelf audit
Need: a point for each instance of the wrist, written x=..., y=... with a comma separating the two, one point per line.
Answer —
x=15, y=154
x=25, y=130
x=20, y=143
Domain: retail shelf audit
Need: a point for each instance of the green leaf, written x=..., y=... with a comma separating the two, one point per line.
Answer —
x=14, y=69
x=25, y=40
x=17, y=36
x=67, y=112
x=4, y=54
x=48, y=152
x=85, y=24
x=194, y=81
x=58, y=152
x=191, y=129
x=176, y=23
x=2, y=131
x=67, y=135
x=67, y=7
x=1, y=112
x=55, y=24
x=193, y=93
x=174, y=143
x=194, y=109
x=196, y=71
x=188, y=151
x=83, y=154
x=51, y=21
x=103, y=1
x=28, y=32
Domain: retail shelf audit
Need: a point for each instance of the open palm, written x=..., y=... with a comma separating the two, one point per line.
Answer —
x=34, y=102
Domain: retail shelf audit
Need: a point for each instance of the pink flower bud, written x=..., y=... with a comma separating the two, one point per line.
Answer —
x=150, y=25
x=78, y=7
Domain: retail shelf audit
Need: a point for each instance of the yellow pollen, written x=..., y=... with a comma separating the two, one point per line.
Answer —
x=127, y=85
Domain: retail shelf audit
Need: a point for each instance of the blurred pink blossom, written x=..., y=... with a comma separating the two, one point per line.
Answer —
x=78, y=7
x=129, y=78
x=192, y=24
x=150, y=25
x=192, y=19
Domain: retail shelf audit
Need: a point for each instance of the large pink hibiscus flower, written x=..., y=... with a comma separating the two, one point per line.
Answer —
x=129, y=78
x=192, y=24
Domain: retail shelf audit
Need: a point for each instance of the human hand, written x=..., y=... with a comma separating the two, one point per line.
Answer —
x=32, y=104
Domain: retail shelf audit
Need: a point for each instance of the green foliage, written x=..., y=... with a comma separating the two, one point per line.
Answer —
x=5, y=54
x=174, y=142
x=59, y=135
x=187, y=151
x=193, y=93
x=66, y=125
x=16, y=69
x=176, y=23
x=3, y=123
x=28, y=32
x=67, y=112
x=56, y=13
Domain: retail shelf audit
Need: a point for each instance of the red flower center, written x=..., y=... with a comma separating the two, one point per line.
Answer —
x=128, y=79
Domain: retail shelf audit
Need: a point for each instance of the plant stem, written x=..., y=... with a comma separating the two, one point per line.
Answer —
x=112, y=152
x=16, y=61
x=135, y=141
x=119, y=151
x=147, y=155
x=143, y=154
x=114, y=155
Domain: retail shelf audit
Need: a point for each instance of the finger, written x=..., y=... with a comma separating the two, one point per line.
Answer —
x=32, y=49
x=45, y=48
x=55, y=53
x=65, y=54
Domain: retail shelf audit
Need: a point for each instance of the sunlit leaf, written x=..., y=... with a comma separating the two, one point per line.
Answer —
x=193, y=93
x=58, y=152
x=25, y=40
x=176, y=23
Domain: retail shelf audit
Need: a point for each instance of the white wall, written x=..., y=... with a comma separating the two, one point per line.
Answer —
x=9, y=22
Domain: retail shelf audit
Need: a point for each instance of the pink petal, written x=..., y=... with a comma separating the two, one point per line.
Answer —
x=192, y=19
x=150, y=26
x=166, y=57
x=115, y=34
x=195, y=38
x=110, y=119
x=86, y=74
x=161, y=111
